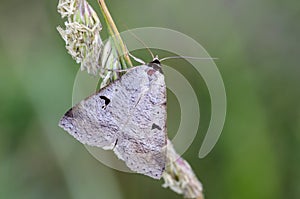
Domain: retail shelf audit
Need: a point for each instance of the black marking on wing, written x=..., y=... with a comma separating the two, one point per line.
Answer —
x=107, y=101
x=116, y=142
x=155, y=126
x=69, y=113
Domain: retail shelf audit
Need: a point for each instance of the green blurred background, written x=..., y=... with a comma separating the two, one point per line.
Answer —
x=258, y=154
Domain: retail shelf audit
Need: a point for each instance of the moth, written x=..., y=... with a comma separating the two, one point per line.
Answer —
x=128, y=116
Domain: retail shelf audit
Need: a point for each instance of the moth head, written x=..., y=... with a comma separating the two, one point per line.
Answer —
x=155, y=64
x=156, y=60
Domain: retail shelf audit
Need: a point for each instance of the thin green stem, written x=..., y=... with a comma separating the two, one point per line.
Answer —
x=114, y=33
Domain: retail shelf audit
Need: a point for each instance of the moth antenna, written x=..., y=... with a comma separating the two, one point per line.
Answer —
x=136, y=59
x=142, y=42
x=187, y=57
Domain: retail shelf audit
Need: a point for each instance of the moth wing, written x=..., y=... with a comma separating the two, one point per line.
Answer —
x=128, y=116
x=142, y=145
x=97, y=120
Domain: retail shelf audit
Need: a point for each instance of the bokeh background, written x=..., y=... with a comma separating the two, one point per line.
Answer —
x=258, y=153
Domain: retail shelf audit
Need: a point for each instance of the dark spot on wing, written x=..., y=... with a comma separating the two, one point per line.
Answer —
x=115, y=143
x=151, y=72
x=69, y=113
x=155, y=126
x=107, y=101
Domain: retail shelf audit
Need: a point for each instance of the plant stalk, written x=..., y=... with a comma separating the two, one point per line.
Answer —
x=113, y=31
